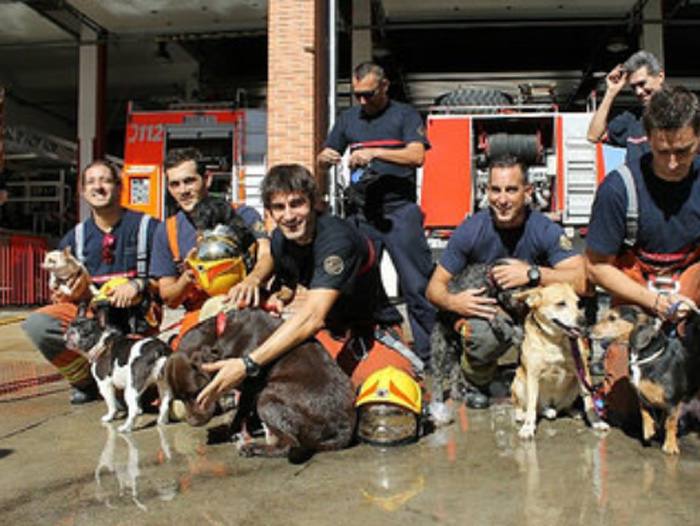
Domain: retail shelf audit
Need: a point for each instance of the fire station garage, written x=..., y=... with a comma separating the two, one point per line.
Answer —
x=254, y=83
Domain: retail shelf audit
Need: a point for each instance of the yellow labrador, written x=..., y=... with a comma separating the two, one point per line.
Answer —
x=547, y=382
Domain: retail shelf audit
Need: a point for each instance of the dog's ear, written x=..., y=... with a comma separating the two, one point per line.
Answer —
x=67, y=251
x=531, y=297
x=102, y=314
x=82, y=309
x=642, y=335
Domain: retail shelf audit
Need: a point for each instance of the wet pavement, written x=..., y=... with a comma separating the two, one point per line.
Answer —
x=60, y=465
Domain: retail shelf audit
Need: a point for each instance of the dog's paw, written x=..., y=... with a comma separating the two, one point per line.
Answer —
x=518, y=415
x=247, y=450
x=107, y=418
x=126, y=427
x=671, y=448
x=440, y=413
x=600, y=425
x=549, y=413
x=527, y=431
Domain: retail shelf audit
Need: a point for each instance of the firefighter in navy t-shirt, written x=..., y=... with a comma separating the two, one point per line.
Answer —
x=112, y=243
x=657, y=267
x=387, y=142
x=336, y=266
x=537, y=250
x=645, y=76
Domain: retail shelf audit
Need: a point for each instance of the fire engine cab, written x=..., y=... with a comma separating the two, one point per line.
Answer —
x=232, y=141
x=564, y=168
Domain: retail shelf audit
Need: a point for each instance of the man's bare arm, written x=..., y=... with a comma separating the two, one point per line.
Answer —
x=467, y=303
x=615, y=81
x=413, y=154
x=303, y=324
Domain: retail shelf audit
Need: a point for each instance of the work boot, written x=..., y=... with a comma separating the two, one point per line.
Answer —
x=473, y=396
x=83, y=396
x=499, y=389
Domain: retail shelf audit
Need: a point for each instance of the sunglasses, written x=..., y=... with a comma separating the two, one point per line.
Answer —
x=108, y=244
x=365, y=94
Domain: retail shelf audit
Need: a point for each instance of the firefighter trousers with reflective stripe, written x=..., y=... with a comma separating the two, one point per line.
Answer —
x=45, y=327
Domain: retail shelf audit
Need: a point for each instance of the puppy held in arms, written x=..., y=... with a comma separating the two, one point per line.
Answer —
x=553, y=369
x=63, y=268
x=119, y=362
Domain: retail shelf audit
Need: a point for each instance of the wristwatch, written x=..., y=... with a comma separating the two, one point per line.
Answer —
x=534, y=276
x=252, y=368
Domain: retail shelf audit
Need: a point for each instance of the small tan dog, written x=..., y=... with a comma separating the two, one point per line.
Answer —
x=547, y=382
x=62, y=267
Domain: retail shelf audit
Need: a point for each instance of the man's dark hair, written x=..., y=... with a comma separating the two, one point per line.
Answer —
x=286, y=179
x=643, y=59
x=113, y=169
x=672, y=108
x=365, y=68
x=212, y=211
x=178, y=156
x=507, y=161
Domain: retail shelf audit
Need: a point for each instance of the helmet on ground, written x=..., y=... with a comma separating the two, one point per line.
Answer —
x=389, y=406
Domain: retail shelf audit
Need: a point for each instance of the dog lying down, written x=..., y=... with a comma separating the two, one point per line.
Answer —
x=664, y=366
x=303, y=399
x=119, y=362
x=551, y=375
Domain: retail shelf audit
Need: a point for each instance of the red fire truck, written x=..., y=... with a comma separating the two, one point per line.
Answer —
x=564, y=168
x=232, y=141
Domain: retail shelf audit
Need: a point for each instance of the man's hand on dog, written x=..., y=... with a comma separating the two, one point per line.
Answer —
x=471, y=302
x=229, y=373
x=124, y=295
x=511, y=275
x=246, y=293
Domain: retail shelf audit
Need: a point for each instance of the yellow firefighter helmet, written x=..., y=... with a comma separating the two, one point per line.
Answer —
x=219, y=275
x=389, y=404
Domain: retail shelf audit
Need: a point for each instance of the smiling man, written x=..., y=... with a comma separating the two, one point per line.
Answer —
x=113, y=242
x=336, y=264
x=538, y=253
x=651, y=260
x=642, y=72
x=175, y=240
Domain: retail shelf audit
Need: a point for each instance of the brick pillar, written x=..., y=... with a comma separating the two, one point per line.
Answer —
x=296, y=81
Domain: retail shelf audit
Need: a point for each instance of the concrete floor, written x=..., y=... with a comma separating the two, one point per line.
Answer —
x=59, y=465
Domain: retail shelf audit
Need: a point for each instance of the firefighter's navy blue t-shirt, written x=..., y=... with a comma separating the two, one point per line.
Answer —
x=538, y=241
x=669, y=212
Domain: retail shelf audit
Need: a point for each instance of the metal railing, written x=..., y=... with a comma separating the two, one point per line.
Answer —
x=22, y=280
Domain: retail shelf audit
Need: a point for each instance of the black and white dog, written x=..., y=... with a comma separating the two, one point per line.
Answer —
x=120, y=362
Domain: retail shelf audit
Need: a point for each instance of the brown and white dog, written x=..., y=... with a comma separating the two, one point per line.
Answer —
x=119, y=362
x=62, y=267
x=550, y=377
x=303, y=399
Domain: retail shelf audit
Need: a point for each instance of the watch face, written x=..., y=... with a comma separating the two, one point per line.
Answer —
x=533, y=274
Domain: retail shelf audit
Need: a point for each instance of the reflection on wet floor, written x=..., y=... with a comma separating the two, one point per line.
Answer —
x=476, y=471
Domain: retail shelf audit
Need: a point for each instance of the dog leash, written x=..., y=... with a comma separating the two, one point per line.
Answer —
x=598, y=402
